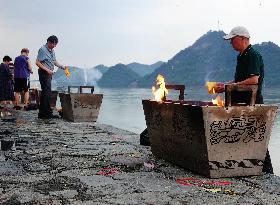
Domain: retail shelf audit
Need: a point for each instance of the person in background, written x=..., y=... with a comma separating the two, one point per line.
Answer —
x=6, y=82
x=249, y=71
x=22, y=70
x=46, y=61
x=12, y=68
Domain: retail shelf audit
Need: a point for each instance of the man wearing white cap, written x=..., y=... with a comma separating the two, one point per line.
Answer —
x=249, y=68
x=249, y=71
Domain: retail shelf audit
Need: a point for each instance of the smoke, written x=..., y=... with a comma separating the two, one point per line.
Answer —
x=91, y=76
x=206, y=78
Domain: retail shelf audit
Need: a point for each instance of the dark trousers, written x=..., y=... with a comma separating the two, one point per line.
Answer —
x=45, y=98
x=267, y=165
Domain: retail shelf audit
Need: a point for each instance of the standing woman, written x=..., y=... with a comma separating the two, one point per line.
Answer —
x=6, y=82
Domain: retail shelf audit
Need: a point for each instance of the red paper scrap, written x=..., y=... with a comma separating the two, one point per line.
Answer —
x=108, y=171
x=198, y=182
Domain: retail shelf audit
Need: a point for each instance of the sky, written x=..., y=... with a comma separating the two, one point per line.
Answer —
x=93, y=32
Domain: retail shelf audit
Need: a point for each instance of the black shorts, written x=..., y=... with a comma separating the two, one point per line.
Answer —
x=21, y=84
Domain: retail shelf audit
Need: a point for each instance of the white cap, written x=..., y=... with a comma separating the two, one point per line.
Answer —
x=237, y=31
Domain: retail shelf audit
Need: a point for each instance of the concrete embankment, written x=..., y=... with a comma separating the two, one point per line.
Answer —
x=58, y=162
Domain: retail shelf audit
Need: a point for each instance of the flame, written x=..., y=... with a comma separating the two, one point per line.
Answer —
x=211, y=87
x=218, y=101
x=161, y=91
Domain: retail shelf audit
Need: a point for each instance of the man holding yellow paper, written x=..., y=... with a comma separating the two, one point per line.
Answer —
x=46, y=61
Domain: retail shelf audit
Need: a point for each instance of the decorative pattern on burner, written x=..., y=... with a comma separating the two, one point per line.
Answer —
x=233, y=164
x=246, y=128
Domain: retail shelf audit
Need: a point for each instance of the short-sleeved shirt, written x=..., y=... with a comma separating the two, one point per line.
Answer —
x=21, y=67
x=46, y=57
x=250, y=63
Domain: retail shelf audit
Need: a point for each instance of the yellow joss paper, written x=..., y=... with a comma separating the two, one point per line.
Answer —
x=67, y=72
x=211, y=87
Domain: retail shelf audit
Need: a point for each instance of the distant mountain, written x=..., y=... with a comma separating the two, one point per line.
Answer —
x=209, y=58
x=271, y=57
x=101, y=68
x=119, y=76
x=212, y=58
x=142, y=69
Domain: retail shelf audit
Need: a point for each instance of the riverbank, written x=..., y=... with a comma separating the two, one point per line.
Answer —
x=58, y=162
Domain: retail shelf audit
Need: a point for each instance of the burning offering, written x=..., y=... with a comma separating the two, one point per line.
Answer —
x=67, y=72
x=211, y=87
x=159, y=90
x=211, y=90
x=218, y=101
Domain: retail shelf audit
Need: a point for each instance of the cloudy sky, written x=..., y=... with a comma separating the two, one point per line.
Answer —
x=108, y=32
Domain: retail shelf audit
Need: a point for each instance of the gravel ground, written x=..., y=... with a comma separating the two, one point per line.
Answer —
x=57, y=162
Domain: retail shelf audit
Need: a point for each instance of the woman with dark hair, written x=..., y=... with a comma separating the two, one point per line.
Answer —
x=6, y=82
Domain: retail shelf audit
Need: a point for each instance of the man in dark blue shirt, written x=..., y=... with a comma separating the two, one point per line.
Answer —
x=22, y=72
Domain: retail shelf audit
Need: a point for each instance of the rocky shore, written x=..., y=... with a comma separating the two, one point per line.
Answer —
x=57, y=162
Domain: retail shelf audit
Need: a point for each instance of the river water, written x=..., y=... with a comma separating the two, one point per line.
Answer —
x=122, y=108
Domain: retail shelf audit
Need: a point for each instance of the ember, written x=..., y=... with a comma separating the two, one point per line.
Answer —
x=161, y=92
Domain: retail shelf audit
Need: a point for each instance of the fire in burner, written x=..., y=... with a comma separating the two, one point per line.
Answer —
x=159, y=90
x=218, y=101
x=210, y=86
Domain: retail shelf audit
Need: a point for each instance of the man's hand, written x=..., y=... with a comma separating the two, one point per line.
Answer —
x=219, y=88
x=63, y=67
x=50, y=72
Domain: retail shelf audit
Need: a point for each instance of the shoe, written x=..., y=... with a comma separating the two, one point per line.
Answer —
x=55, y=116
x=60, y=112
x=17, y=107
x=30, y=107
x=44, y=117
